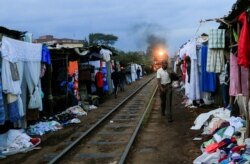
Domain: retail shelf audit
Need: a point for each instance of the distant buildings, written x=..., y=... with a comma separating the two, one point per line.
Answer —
x=59, y=43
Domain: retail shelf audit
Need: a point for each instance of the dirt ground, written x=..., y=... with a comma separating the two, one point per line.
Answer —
x=158, y=141
x=168, y=143
x=54, y=142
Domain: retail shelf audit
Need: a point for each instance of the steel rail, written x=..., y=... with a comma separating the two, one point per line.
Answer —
x=73, y=144
x=126, y=151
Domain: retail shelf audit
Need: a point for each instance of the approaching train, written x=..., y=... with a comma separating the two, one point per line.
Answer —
x=159, y=53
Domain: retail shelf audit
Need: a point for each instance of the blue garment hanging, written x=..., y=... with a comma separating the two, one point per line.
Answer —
x=46, y=55
x=14, y=113
x=208, y=80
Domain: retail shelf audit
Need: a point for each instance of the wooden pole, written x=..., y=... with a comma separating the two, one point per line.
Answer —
x=239, y=73
x=67, y=78
x=247, y=109
x=50, y=95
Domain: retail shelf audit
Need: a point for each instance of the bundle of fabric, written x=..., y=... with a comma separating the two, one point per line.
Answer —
x=41, y=128
x=17, y=141
x=76, y=110
x=71, y=115
x=226, y=143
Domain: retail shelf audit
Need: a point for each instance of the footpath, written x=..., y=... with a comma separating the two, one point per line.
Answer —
x=162, y=142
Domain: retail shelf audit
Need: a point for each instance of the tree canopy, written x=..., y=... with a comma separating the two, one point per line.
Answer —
x=102, y=39
x=126, y=58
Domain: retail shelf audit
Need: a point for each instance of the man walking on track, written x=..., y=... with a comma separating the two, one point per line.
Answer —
x=138, y=72
x=115, y=76
x=165, y=87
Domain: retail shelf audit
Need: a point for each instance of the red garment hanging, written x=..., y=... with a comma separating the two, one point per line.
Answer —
x=244, y=41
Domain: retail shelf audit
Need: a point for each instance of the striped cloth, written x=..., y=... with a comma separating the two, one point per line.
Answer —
x=215, y=60
x=216, y=38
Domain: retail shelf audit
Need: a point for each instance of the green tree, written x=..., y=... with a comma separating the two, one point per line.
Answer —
x=102, y=39
x=127, y=58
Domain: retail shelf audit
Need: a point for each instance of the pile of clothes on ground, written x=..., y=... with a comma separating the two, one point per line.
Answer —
x=16, y=141
x=70, y=116
x=225, y=133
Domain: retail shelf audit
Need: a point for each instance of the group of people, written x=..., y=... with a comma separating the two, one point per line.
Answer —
x=118, y=79
x=164, y=79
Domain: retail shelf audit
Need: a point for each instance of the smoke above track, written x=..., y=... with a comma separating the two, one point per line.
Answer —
x=149, y=35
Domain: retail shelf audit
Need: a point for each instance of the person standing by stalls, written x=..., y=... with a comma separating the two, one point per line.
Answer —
x=224, y=82
x=99, y=83
x=138, y=72
x=165, y=86
x=188, y=66
x=178, y=71
x=128, y=75
x=123, y=78
x=115, y=76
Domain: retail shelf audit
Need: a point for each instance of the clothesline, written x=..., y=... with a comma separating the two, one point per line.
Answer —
x=213, y=19
x=208, y=20
x=198, y=29
x=217, y=20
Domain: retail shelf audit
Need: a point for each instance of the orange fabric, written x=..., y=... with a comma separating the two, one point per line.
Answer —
x=73, y=66
x=73, y=71
x=212, y=148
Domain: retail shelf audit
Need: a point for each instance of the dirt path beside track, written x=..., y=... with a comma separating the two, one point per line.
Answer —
x=168, y=143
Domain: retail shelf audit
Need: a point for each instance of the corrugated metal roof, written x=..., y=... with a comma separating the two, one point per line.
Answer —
x=237, y=9
x=11, y=33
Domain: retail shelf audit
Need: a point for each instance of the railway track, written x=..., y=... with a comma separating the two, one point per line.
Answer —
x=111, y=137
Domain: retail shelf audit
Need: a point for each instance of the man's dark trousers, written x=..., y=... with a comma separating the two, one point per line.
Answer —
x=166, y=101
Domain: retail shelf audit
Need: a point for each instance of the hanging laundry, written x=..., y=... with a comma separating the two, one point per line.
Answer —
x=216, y=38
x=14, y=113
x=105, y=54
x=73, y=72
x=2, y=110
x=15, y=50
x=237, y=85
x=27, y=56
x=244, y=41
x=32, y=75
x=208, y=80
x=216, y=43
x=46, y=55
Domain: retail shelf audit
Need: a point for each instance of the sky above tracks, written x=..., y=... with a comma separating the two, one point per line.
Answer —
x=175, y=21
